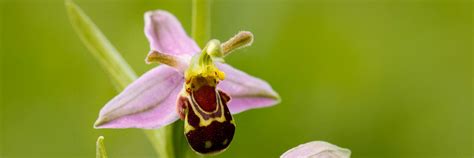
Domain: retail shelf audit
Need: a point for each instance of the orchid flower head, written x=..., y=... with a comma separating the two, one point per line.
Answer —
x=190, y=83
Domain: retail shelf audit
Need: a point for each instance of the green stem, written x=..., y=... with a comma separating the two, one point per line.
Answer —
x=162, y=141
x=201, y=26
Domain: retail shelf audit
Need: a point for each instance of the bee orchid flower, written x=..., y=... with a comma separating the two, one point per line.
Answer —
x=190, y=83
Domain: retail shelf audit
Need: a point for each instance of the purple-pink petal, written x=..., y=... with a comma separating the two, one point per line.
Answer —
x=165, y=34
x=317, y=149
x=148, y=102
x=246, y=92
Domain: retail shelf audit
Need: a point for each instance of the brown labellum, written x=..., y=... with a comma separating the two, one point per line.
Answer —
x=209, y=126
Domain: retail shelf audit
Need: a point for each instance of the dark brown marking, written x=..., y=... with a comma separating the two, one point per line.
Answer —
x=225, y=97
x=193, y=119
x=205, y=115
x=217, y=133
x=205, y=96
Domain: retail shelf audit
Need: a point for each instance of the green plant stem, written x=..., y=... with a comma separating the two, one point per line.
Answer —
x=162, y=141
x=201, y=26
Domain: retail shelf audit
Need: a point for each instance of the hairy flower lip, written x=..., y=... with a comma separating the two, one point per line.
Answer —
x=150, y=101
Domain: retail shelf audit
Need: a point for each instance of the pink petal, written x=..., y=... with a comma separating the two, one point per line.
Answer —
x=180, y=63
x=149, y=102
x=165, y=34
x=246, y=92
x=317, y=149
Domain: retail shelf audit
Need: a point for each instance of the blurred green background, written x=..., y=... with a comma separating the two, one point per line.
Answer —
x=384, y=78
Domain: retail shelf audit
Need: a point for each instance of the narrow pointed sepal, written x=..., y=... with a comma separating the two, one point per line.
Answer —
x=166, y=34
x=149, y=102
x=247, y=92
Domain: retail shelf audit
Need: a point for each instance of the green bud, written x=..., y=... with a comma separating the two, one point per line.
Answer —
x=100, y=148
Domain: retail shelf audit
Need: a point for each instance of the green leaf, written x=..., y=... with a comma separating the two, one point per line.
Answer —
x=108, y=57
x=100, y=148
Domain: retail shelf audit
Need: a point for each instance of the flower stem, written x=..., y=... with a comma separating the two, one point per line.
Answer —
x=162, y=141
x=201, y=26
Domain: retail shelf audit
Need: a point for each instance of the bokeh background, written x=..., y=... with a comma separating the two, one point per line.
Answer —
x=384, y=78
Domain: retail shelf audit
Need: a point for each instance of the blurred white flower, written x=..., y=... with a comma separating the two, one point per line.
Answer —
x=317, y=149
